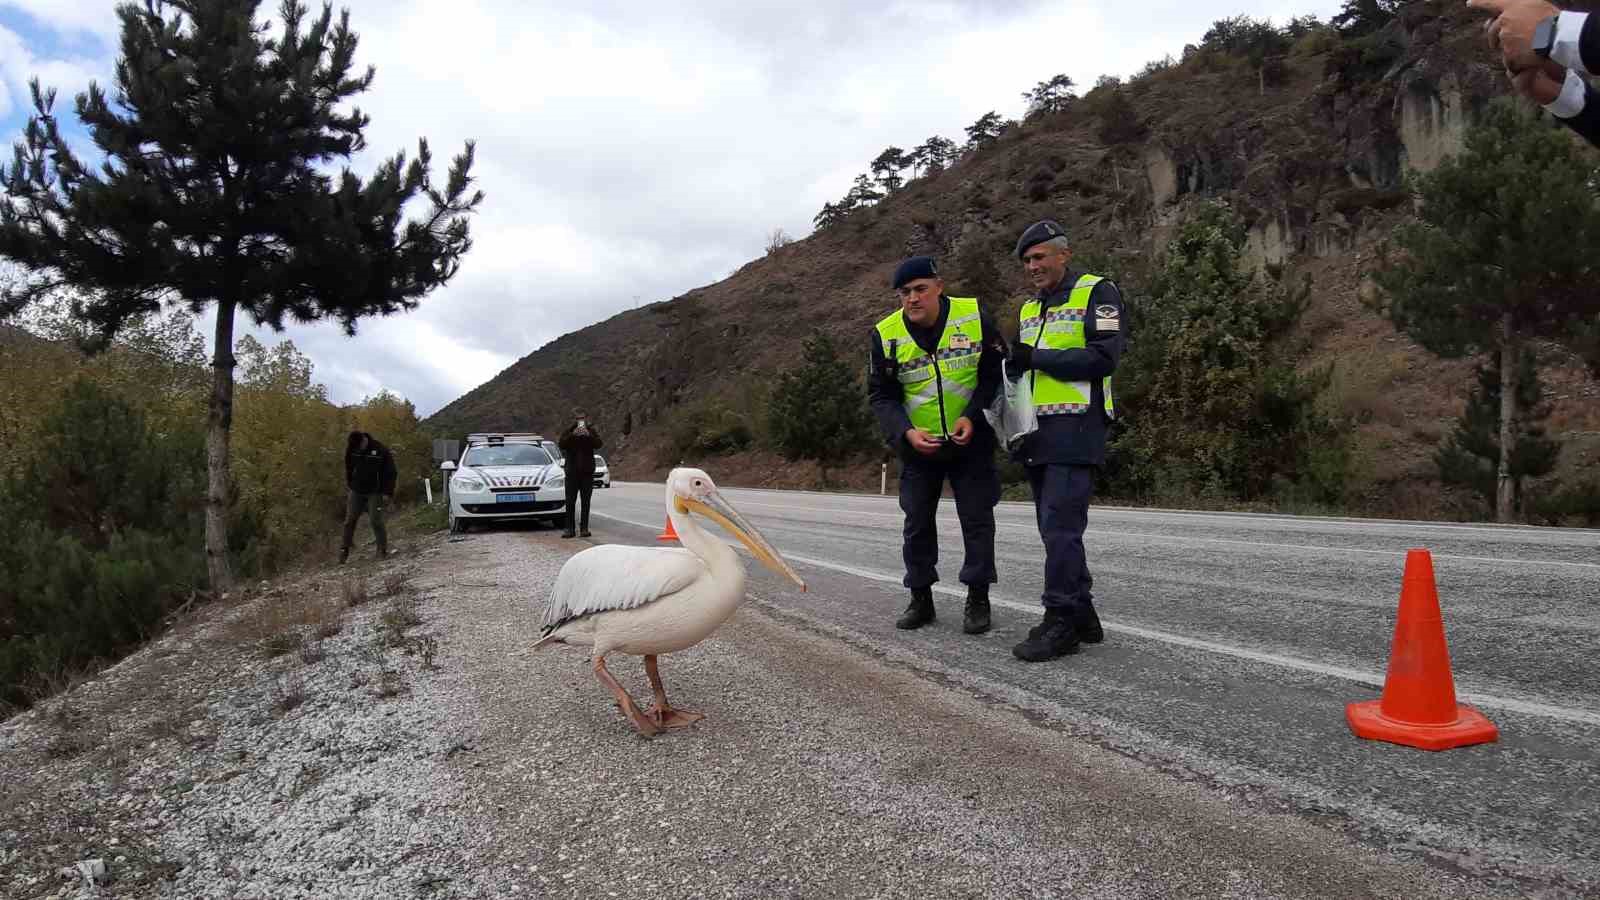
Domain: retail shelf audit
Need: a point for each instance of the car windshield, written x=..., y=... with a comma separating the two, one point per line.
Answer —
x=507, y=455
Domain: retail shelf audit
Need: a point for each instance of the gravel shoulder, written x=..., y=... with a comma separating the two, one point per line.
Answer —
x=420, y=749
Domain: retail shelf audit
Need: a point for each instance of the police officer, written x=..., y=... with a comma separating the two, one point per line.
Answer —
x=935, y=366
x=1068, y=344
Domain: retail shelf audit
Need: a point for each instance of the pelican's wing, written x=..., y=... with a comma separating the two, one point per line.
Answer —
x=617, y=576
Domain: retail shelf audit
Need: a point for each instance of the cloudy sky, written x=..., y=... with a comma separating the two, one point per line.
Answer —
x=632, y=151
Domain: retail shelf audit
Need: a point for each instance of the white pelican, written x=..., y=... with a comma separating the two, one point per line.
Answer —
x=652, y=600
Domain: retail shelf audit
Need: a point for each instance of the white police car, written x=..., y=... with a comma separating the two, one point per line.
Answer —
x=503, y=477
x=602, y=472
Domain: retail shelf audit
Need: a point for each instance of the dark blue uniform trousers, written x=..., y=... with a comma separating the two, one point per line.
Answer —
x=976, y=483
x=1061, y=503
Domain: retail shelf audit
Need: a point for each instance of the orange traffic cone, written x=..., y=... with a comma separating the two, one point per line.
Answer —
x=1419, y=706
x=670, y=534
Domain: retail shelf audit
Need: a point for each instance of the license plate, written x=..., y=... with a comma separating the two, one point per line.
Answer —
x=513, y=498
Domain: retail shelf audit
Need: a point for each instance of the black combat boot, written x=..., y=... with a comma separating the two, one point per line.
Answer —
x=920, y=612
x=976, y=618
x=1056, y=636
x=1088, y=624
x=344, y=555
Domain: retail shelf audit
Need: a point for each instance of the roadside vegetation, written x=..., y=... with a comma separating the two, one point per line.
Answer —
x=102, y=487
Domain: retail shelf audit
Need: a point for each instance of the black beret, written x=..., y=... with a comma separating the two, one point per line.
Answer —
x=914, y=268
x=1038, y=233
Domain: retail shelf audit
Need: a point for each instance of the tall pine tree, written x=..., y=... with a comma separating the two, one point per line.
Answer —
x=1502, y=253
x=1470, y=457
x=218, y=193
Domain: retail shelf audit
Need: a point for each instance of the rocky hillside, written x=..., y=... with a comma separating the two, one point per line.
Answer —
x=1314, y=159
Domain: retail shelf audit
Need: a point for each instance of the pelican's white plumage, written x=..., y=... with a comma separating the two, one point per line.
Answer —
x=651, y=600
x=587, y=583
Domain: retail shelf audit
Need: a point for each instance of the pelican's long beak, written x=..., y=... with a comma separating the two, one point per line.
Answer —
x=719, y=510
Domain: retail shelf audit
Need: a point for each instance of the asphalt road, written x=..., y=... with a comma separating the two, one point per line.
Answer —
x=1234, y=643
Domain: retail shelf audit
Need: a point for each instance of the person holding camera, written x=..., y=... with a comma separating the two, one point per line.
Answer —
x=934, y=368
x=370, y=476
x=578, y=445
x=1546, y=52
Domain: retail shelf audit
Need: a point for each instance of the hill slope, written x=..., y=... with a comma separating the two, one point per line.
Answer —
x=1314, y=162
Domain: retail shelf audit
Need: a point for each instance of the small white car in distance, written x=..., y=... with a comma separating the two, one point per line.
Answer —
x=503, y=477
x=602, y=472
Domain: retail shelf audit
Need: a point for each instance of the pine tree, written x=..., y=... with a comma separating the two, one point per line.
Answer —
x=862, y=193
x=817, y=410
x=886, y=168
x=1213, y=405
x=1503, y=253
x=985, y=131
x=1050, y=96
x=1470, y=457
x=216, y=194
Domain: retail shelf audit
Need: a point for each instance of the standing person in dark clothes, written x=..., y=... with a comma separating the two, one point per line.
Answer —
x=1069, y=342
x=370, y=475
x=934, y=367
x=578, y=445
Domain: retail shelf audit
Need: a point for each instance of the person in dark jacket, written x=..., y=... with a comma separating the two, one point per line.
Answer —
x=578, y=445
x=934, y=367
x=1070, y=340
x=370, y=475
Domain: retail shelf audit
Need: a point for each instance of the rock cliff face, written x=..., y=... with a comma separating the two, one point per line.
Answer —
x=1315, y=163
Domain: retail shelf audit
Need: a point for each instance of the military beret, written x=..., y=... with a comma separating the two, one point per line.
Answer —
x=914, y=268
x=1038, y=233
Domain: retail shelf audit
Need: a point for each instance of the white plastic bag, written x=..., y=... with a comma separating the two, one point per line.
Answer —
x=1011, y=414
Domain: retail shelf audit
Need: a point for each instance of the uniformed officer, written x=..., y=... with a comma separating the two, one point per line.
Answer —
x=935, y=366
x=1069, y=342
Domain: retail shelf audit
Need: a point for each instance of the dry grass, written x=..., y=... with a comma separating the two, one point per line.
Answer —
x=390, y=684
x=354, y=592
x=288, y=692
x=399, y=614
x=284, y=624
x=396, y=583
x=428, y=648
x=313, y=652
x=72, y=729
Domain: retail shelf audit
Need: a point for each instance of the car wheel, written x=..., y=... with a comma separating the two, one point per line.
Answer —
x=458, y=525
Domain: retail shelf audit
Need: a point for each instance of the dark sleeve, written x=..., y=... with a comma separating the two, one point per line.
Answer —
x=598, y=443
x=1589, y=46
x=885, y=397
x=565, y=442
x=390, y=474
x=1104, y=335
x=989, y=374
x=349, y=470
x=1587, y=122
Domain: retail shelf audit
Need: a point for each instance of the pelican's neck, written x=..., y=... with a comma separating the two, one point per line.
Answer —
x=697, y=540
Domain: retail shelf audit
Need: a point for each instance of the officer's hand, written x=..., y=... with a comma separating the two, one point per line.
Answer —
x=1021, y=358
x=1537, y=84
x=921, y=442
x=1511, y=29
x=962, y=433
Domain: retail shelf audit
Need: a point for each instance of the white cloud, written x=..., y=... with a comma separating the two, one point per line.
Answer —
x=633, y=151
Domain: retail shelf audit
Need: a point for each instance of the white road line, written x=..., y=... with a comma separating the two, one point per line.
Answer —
x=1536, y=531
x=1360, y=676
x=1181, y=539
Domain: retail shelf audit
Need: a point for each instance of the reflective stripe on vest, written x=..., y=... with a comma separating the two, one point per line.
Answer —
x=936, y=388
x=1062, y=329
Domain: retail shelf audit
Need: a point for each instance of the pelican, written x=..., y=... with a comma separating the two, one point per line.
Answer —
x=646, y=601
